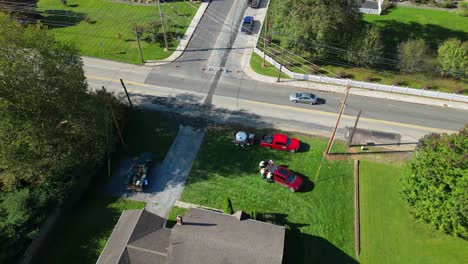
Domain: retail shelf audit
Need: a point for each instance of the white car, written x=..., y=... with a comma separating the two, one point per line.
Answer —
x=306, y=98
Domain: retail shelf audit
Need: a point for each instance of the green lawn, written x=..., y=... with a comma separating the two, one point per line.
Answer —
x=82, y=235
x=319, y=220
x=256, y=64
x=389, y=233
x=102, y=28
x=434, y=26
x=398, y=25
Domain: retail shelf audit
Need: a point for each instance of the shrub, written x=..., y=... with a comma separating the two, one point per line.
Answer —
x=436, y=182
x=398, y=81
x=368, y=78
x=452, y=58
x=89, y=20
x=342, y=74
x=253, y=215
x=414, y=56
x=228, y=206
x=429, y=86
x=387, y=5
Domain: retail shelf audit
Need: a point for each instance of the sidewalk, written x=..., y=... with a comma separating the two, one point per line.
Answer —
x=260, y=16
x=184, y=41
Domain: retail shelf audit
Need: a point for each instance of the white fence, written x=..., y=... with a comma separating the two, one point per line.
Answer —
x=369, y=11
x=366, y=85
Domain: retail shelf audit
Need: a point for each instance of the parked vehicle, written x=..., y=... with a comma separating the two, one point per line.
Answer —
x=243, y=139
x=281, y=142
x=247, y=25
x=254, y=3
x=306, y=98
x=139, y=172
x=287, y=178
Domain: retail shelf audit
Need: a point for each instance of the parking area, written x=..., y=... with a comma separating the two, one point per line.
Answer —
x=167, y=178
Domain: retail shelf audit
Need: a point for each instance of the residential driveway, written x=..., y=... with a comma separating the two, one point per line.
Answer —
x=167, y=179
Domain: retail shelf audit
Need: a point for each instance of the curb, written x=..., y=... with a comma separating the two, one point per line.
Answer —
x=354, y=91
x=184, y=41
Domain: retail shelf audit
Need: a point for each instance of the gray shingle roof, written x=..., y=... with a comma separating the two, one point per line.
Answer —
x=138, y=237
x=206, y=237
x=214, y=238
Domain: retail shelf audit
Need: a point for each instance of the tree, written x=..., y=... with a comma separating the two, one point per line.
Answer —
x=452, y=58
x=53, y=129
x=22, y=10
x=436, y=182
x=366, y=49
x=312, y=25
x=414, y=56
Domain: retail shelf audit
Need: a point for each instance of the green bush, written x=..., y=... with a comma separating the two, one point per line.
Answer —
x=436, y=182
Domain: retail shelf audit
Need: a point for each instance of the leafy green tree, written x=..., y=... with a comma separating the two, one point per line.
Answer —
x=366, y=49
x=414, y=56
x=436, y=182
x=52, y=129
x=311, y=25
x=452, y=58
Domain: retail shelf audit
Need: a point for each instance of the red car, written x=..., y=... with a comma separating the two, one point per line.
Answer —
x=281, y=142
x=287, y=178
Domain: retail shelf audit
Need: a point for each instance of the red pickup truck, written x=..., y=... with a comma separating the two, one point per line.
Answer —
x=281, y=142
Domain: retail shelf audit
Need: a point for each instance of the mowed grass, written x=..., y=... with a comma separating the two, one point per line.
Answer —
x=256, y=63
x=86, y=227
x=389, y=233
x=434, y=26
x=103, y=29
x=319, y=220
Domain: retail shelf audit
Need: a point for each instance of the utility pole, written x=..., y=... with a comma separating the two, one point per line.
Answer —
x=281, y=66
x=163, y=27
x=264, y=41
x=115, y=120
x=332, y=137
x=126, y=92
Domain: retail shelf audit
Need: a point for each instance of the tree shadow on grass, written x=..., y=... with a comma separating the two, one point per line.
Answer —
x=394, y=32
x=61, y=18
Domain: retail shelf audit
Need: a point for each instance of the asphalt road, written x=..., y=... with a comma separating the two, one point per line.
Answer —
x=216, y=43
x=188, y=73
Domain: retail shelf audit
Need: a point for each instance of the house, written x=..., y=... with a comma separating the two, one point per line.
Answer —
x=370, y=6
x=201, y=236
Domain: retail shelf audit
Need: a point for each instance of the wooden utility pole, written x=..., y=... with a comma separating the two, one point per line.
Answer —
x=126, y=92
x=115, y=119
x=332, y=137
x=264, y=41
x=163, y=27
x=281, y=66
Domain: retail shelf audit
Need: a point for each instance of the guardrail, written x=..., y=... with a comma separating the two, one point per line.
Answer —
x=365, y=85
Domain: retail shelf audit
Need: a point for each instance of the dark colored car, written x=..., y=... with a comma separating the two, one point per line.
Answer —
x=139, y=172
x=287, y=178
x=254, y=3
x=281, y=142
x=247, y=25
